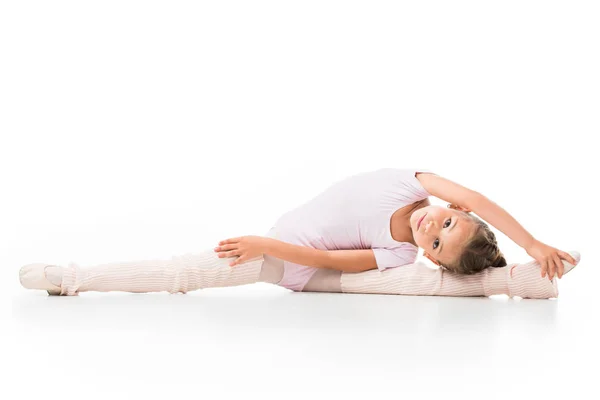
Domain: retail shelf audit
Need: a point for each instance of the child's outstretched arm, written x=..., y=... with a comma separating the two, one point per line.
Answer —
x=247, y=248
x=451, y=192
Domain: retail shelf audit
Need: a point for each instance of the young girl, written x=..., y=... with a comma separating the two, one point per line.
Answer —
x=361, y=235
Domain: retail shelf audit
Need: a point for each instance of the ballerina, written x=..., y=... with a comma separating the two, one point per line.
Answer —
x=361, y=235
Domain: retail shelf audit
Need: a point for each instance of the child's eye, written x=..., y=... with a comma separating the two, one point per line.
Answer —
x=437, y=241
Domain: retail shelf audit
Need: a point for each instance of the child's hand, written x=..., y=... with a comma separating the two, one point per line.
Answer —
x=245, y=247
x=549, y=258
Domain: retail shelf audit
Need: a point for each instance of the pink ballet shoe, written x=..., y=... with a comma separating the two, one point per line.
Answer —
x=33, y=276
x=525, y=279
x=568, y=266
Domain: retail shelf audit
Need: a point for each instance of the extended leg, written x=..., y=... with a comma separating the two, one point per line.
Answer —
x=184, y=273
x=523, y=280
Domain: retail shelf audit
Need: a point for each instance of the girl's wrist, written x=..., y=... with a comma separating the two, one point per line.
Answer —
x=268, y=245
x=530, y=244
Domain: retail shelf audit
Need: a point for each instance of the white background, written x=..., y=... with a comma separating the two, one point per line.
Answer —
x=145, y=129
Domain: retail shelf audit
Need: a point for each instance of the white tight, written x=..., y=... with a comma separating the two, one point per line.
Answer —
x=523, y=280
x=204, y=269
x=324, y=280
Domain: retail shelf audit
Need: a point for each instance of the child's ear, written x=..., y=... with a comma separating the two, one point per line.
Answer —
x=459, y=208
x=433, y=260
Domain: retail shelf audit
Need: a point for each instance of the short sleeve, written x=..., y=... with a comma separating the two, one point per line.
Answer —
x=416, y=184
x=404, y=254
x=405, y=186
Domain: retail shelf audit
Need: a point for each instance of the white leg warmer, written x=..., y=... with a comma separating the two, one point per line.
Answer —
x=523, y=280
x=184, y=273
x=419, y=279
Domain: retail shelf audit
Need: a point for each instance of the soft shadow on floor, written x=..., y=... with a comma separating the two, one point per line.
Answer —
x=281, y=311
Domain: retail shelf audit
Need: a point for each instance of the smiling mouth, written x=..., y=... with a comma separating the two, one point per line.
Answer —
x=421, y=220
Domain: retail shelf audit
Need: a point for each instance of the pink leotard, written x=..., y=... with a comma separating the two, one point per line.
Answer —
x=353, y=213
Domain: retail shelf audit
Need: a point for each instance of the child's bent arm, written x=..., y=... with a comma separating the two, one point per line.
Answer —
x=548, y=257
x=445, y=189
x=489, y=211
x=342, y=260
x=502, y=220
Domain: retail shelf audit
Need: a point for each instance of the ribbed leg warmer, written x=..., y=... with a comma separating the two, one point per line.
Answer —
x=418, y=279
x=184, y=273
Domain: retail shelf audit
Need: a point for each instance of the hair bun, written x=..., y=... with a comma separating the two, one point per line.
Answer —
x=500, y=261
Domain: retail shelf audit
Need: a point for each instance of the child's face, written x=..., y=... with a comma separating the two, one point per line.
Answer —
x=442, y=232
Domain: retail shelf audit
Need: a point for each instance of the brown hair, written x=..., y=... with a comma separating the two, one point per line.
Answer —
x=479, y=252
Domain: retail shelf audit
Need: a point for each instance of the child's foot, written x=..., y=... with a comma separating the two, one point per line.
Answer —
x=42, y=276
x=54, y=274
x=525, y=280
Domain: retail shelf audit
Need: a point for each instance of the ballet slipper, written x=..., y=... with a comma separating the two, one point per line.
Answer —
x=33, y=276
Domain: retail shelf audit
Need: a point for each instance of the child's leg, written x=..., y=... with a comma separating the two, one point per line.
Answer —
x=272, y=270
x=177, y=274
x=324, y=280
x=419, y=279
x=523, y=280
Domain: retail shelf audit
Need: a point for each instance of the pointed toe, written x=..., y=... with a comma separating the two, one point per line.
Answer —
x=567, y=265
x=33, y=276
x=576, y=255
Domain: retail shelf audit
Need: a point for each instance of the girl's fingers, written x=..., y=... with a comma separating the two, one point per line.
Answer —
x=555, y=267
x=567, y=257
x=550, y=267
x=543, y=268
x=560, y=267
x=227, y=249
